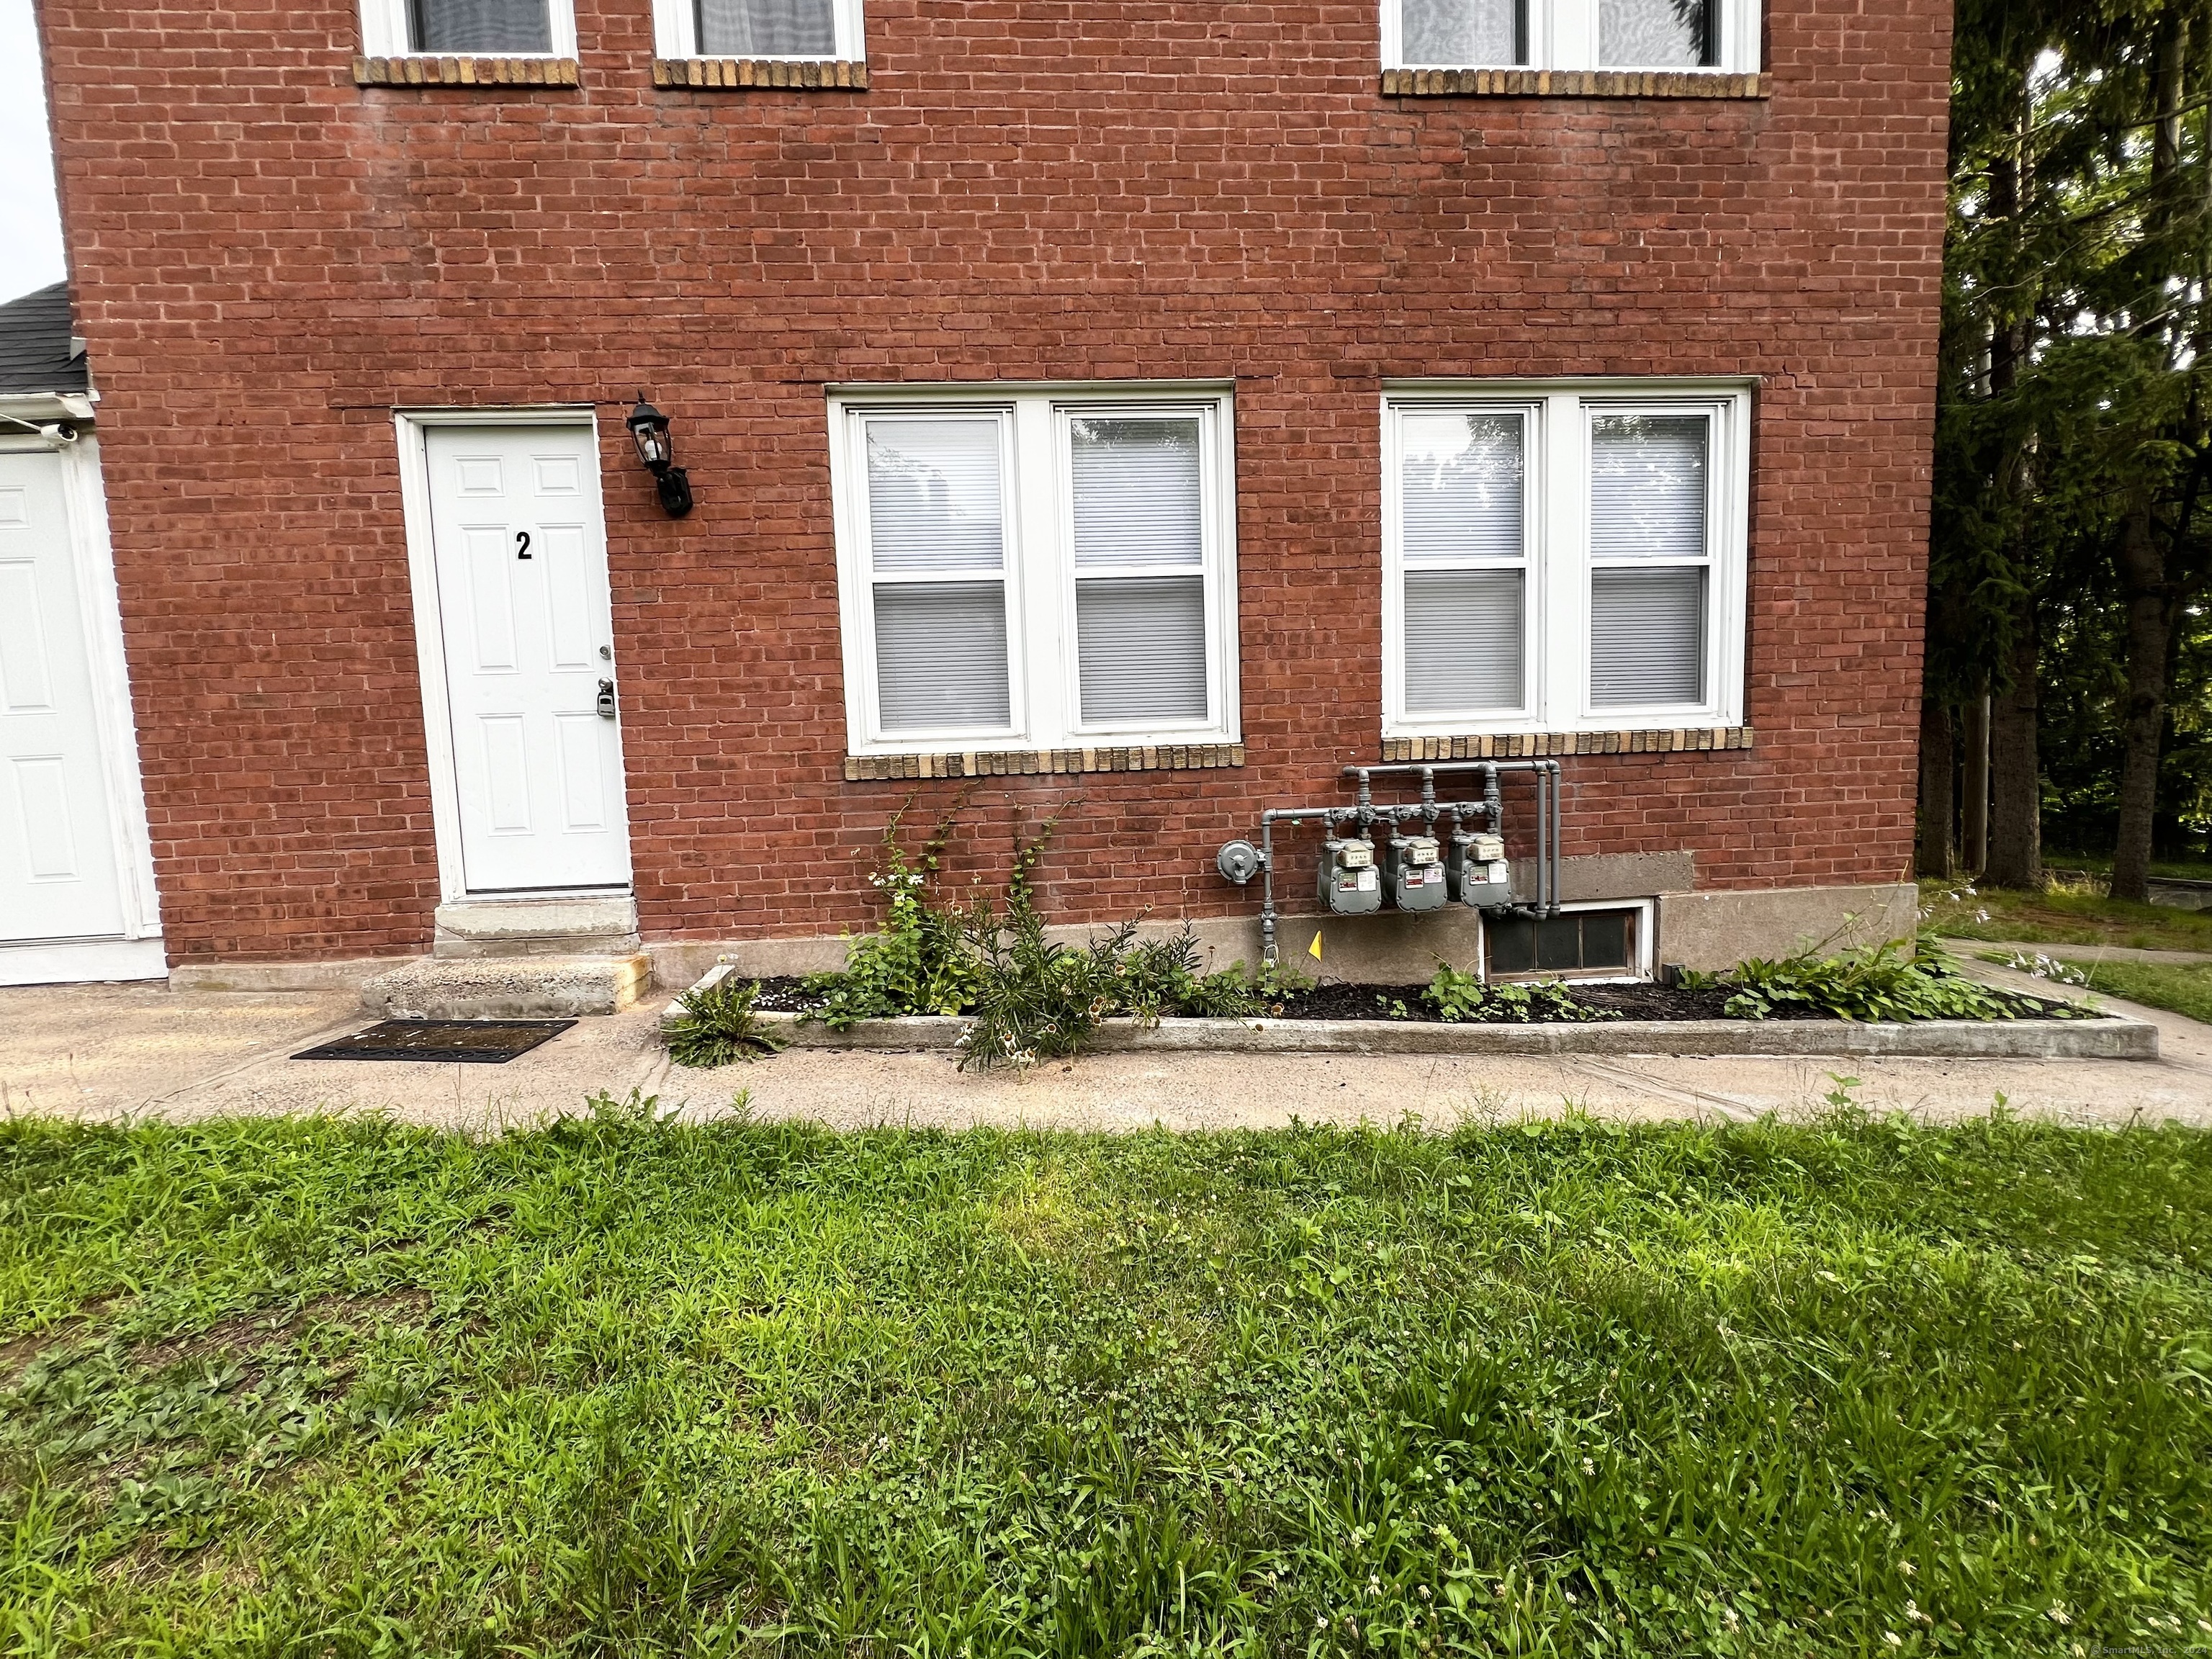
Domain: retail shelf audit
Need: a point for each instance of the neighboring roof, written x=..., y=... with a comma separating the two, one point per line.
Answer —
x=36, y=350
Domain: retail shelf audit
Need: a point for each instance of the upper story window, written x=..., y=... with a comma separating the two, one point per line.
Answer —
x=1570, y=34
x=1563, y=559
x=466, y=28
x=797, y=30
x=1035, y=569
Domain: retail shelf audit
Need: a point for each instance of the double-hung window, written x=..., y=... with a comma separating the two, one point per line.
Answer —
x=1564, y=558
x=798, y=30
x=1035, y=569
x=1570, y=34
x=494, y=29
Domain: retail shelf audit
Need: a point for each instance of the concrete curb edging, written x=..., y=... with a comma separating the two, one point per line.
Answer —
x=2110, y=1037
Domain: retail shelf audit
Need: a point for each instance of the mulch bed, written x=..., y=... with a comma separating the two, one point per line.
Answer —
x=1338, y=1000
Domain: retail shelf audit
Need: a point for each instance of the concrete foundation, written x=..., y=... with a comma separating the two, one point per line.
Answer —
x=1708, y=930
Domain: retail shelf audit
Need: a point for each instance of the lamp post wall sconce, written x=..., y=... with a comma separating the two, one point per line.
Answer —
x=656, y=450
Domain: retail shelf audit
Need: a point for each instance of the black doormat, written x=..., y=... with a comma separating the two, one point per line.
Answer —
x=467, y=1041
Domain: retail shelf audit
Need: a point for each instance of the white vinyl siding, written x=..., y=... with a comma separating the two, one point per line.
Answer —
x=487, y=28
x=1564, y=558
x=1031, y=569
x=796, y=30
x=1720, y=35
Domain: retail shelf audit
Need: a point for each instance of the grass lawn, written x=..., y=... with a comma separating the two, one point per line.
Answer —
x=608, y=1388
x=2060, y=917
x=2179, y=987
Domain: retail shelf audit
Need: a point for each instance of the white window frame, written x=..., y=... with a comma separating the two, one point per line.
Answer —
x=1557, y=613
x=1563, y=34
x=1043, y=671
x=385, y=32
x=676, y=35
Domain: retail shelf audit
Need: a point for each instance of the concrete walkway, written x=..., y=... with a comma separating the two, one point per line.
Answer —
x=116, y=1051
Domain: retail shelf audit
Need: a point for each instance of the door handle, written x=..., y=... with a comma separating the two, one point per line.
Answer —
x=606, y=700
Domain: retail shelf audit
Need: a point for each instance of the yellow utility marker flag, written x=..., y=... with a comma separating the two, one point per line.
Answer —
x=1314, y=949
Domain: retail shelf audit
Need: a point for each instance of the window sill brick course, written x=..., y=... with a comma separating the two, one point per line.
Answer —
x=756, y=74
x=1513, y=745
x=1567, y=83
x=1042, y=762
x=422, y=70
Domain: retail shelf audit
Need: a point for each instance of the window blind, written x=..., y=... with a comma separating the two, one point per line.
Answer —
x=1138, y=507
x=1136, y=487
x=1648, y=496
x=1648, y=486
x=1462, y=34
x=1143, y=654
x=1647, y=635
x=1657, y=33
x=935, y=498
x=481, y=26
x=766, y=28
x=1460, y=487
x=941, y=656
x=936, y=510
x=1463, y=640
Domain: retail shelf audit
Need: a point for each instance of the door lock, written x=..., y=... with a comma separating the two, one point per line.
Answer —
x=606, y=700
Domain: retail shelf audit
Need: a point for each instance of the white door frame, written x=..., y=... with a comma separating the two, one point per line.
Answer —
x=138, y=952
x=414, y=426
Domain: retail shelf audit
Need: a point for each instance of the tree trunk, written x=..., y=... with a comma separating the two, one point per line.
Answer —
x=2149, y=630
x=2015, y=774
x=1974, y=802
x=1938, y=850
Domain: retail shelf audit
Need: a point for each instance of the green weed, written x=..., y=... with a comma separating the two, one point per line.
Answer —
x=718, y=1024
x=1457, y=996
x=1872, y=982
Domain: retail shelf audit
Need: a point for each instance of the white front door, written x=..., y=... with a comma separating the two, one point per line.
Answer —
x=61, y=853
x=528, y=646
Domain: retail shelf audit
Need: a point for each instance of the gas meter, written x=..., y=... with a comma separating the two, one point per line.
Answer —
x=1413, y=873
x=1480, y=873
x=1351, y=886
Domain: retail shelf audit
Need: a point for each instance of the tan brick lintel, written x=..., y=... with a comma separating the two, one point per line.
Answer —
x=741, y=73
x=427, y=71
x=1041, y=762
x=1567, y=83
x=1514, y=745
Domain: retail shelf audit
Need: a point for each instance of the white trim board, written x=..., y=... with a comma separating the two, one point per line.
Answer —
x=411, y=427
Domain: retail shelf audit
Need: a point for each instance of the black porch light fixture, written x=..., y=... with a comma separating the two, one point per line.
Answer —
x=656, y=451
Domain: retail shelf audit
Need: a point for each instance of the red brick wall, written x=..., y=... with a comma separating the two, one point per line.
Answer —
x=268, y=258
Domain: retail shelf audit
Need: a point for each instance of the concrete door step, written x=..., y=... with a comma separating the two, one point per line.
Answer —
x=585, y=925
x=509, y=988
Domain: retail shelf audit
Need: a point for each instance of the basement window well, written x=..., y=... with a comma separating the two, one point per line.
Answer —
x=1587, y=942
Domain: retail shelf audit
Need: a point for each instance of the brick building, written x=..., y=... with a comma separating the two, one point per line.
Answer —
x=1118, y=409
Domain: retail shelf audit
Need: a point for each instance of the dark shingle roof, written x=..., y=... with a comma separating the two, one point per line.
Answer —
x=34, y=344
